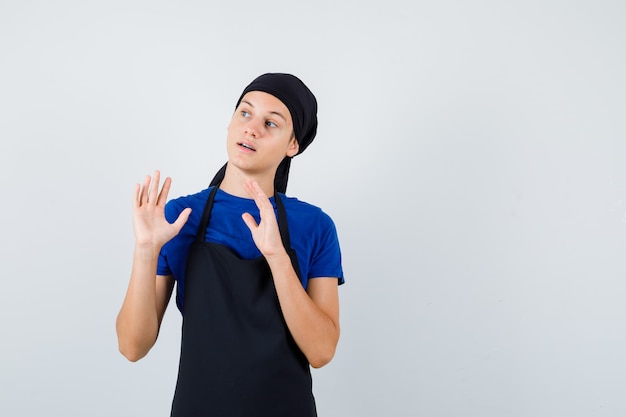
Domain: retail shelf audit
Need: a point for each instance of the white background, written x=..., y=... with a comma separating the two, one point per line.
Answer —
x=471, y=154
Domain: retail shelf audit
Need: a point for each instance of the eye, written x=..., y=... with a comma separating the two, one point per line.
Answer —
x=245, y=113
x=270, y=124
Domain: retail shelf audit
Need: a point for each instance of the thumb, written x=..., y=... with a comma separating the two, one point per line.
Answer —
x=182, y=218
x=249, y=221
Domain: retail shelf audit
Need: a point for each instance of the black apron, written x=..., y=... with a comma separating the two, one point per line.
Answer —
x=238, y=357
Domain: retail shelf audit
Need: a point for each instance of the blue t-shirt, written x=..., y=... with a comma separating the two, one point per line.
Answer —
x=312, y=233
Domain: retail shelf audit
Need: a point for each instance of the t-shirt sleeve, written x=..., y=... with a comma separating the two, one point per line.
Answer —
x=326, y=260
x=163, y=267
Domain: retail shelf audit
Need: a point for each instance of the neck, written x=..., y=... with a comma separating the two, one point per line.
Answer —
x=234, y=179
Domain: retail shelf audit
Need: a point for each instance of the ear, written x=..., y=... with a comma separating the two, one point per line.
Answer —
x=293, y=148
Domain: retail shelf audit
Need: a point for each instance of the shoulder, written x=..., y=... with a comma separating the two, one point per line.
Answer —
x=194, y=201
x=295, y=204
x=306, y=212
x=191, y=199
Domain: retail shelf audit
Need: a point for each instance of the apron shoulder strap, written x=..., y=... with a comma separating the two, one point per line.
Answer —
x=206, y=215
x=282, y=222
x=284, y=234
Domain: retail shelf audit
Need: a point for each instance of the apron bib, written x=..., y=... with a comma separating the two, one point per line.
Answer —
x=238, y=358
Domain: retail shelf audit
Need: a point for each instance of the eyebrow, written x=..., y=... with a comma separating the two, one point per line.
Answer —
x=271, y=112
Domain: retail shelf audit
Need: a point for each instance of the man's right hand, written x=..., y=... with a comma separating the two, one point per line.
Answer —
x=149, y=223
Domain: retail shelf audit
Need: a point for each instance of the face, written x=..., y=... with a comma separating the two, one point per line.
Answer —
x=260, y=134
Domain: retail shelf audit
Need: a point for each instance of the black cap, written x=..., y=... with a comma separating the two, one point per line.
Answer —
x=296, y=97
x=302, y=106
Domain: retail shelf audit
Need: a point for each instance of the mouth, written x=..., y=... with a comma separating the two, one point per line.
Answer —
x=246, y=146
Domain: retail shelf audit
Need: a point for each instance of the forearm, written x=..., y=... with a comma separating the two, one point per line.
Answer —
x=315, y=331
x=138, y=320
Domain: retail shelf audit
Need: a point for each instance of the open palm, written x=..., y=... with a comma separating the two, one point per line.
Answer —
x=149, y=222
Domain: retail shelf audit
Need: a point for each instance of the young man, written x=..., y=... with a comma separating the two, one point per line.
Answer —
x=256, y=271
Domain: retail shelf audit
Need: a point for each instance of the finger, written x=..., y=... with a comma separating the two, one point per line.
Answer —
x=164, y=192
x=136, y=196
x=182, y=219
x=248, y=188
x=154, y=187
x=249, y=221
x=256, y=192
x=143, y=193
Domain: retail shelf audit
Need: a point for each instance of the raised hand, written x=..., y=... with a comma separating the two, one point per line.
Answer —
x=149, y=222
x=266, y=235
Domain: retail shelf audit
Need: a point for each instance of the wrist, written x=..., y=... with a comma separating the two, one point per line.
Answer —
x=278, y=258
x=146, y=251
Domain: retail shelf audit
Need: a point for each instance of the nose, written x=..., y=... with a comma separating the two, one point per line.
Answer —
x=252, y=128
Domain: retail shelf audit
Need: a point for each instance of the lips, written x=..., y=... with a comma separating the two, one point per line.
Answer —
x=246, y=146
